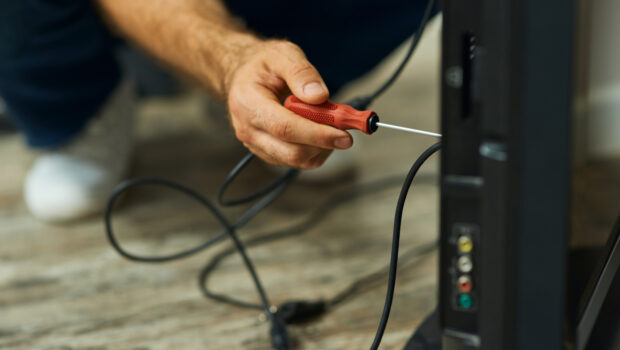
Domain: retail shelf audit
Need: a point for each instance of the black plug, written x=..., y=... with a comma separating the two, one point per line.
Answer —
x=300, y=311
x=280, y=340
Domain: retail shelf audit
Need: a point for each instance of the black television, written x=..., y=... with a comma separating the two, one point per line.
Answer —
x=509, y=276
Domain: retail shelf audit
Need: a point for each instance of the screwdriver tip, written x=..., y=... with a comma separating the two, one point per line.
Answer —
x=413, y=131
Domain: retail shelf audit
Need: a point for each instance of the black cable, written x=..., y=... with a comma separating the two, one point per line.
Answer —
x=279, y=335
x=396, y=241
x=125, y=186
x=344, y=196
x=356, y=285
x=259, y=193
x=130, y=184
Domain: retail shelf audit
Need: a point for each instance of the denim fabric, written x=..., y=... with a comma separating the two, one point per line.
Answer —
x=57, y=63
x=56, y=66
x=342, y=38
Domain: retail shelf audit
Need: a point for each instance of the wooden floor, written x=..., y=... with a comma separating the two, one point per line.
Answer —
x=63, y=287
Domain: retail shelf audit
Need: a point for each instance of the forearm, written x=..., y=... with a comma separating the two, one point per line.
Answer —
x=198, y=37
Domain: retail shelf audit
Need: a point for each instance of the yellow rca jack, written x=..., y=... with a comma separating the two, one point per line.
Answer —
x=465, y=244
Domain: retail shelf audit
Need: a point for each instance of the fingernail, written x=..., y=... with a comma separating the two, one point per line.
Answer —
x=342, y=143
x=313, y=89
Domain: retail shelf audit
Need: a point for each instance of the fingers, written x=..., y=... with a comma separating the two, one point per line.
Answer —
x=280, y=136
x=267, y=128
x=287, y=126
x=277, y=152
x=300, y=75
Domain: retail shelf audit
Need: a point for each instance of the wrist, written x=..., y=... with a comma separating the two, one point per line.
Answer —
x=240, y=50
x=220, y=54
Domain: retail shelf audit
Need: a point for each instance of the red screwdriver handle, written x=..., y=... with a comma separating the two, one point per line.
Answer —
x=337, y=115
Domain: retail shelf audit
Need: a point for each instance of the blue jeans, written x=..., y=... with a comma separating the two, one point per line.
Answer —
x=57, y=61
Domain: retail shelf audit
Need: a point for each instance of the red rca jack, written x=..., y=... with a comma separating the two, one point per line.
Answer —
x=464, y=284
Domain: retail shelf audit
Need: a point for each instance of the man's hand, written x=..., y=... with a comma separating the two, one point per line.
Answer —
x=202, y=40
x=268, y=72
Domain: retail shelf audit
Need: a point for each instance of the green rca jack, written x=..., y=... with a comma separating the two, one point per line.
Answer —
x=465, y=301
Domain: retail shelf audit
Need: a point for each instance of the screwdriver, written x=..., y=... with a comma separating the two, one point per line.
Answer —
x=344, y=117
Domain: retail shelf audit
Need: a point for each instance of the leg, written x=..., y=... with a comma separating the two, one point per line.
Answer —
x=57, y=76
x=56, y=67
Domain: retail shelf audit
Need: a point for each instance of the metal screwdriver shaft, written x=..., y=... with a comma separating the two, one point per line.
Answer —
x=414, y=131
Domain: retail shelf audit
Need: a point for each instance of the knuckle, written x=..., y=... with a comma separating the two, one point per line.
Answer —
x=317, y=160
x=284, y=45
x=234, y=104
x=325, y=138
x=297, y=158
x=243, y=134
x=301, y=68
x=283, y=130
x=279, y=48
x=266, y=158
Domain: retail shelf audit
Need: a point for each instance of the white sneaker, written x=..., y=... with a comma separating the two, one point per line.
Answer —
x=74, y=180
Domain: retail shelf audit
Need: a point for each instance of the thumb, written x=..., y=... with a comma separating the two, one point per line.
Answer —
x=301, y=77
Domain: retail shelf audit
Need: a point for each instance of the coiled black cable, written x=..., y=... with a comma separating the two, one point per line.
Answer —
x=340, y=198
x=243, y=219
x=279, y=335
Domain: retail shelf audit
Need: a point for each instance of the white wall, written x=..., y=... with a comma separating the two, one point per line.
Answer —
x=602, y=107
